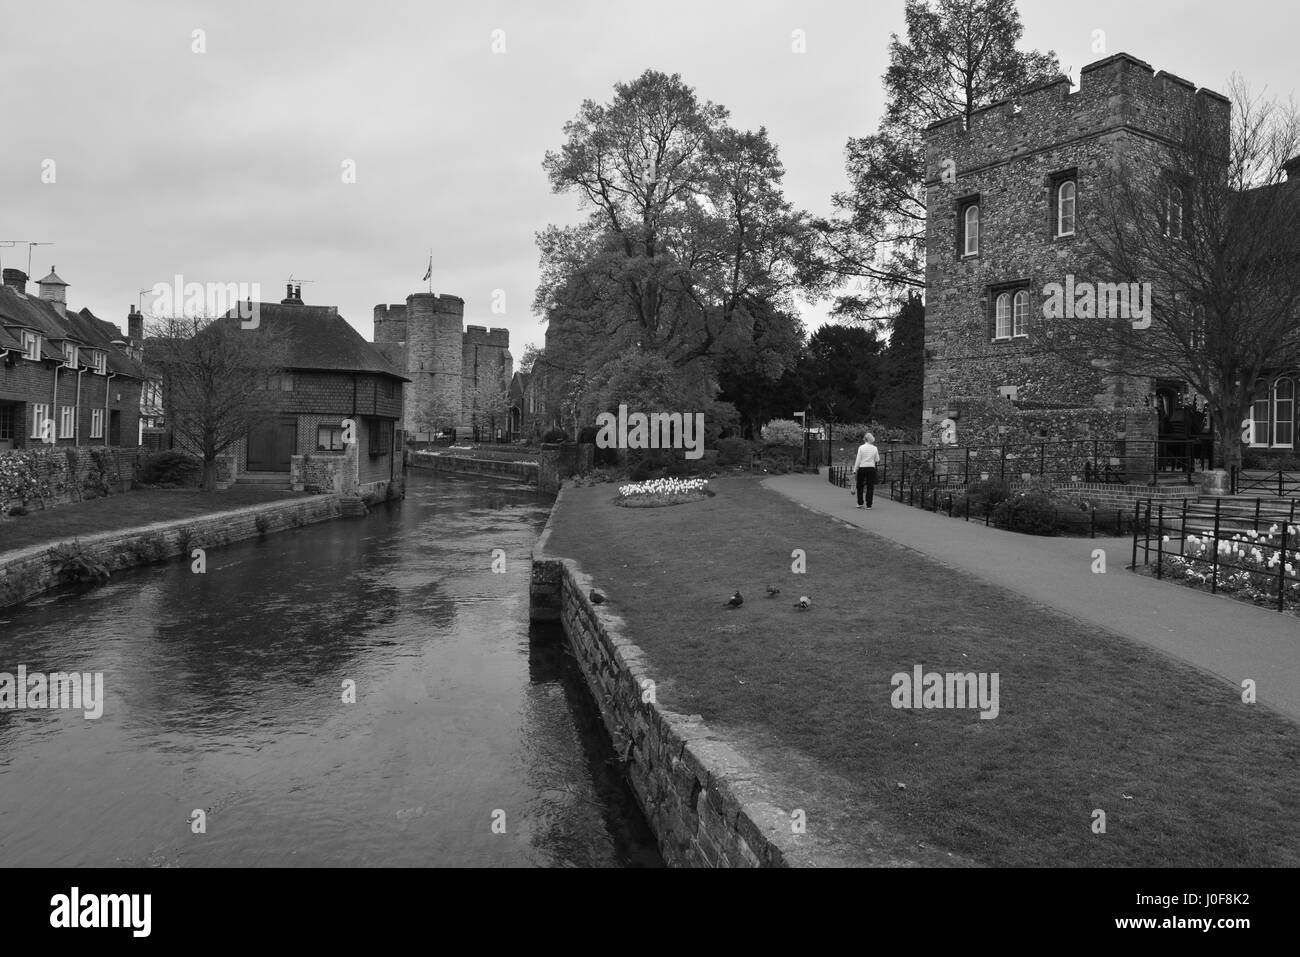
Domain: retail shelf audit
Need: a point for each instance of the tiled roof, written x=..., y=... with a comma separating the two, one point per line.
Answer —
x=317, y=337
x=20, y=311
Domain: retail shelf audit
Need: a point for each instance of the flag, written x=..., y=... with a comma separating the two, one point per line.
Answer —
x=428, y=272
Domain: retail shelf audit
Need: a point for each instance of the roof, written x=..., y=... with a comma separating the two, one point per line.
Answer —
x=51, y=280
x=20, y=311
x=317, y=337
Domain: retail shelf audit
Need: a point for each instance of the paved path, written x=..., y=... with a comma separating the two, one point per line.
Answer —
x=1227, y=638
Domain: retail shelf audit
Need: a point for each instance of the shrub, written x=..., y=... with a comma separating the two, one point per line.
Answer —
x=74, y=564
x=262, y=522
x=734, y=452
x=651, y=463
x=172, y=467
x=783, y=432
x=1031, y=512
x=555, y=435
x=17, y=511
x=984, y=494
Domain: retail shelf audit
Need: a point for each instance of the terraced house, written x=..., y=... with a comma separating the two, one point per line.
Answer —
x=66, y=378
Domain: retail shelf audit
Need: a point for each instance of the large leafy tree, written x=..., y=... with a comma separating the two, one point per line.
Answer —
x=839, y=372
x=687, y=229
x=958, y=56
x=899, y=398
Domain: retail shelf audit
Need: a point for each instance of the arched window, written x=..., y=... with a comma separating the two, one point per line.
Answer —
x=1174, y=214
x=1002, y=325
x=971, y=245
x=1065, y=201
x=1020, y=321
x=1284, y=413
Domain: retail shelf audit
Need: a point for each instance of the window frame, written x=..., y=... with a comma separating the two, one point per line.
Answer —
x=1019, y=319
x=99, y=362
x=998, y=318
x=71, y=354
x=334, y=430
x=1263, y=427
x=1073, y=184
x=1175, y=199
x=67, y=422
x=964, y=230
x=31, y=345
x=40, y=415
x=1277, y=418
x=96, y=423
x=380, y=440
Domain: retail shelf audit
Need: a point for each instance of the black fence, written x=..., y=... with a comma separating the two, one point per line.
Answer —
x=1281, y=483
x=1269, y=538
x=1102, y=461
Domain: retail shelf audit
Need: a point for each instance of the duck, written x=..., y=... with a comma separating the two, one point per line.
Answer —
x=735, y=601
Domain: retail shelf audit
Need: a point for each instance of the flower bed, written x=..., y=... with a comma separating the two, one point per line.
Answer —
x=1251, y=566
x=656, y=493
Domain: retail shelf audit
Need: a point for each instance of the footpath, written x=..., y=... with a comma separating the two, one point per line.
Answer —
x=1229, y=639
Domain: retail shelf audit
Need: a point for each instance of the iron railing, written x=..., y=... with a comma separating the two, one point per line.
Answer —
x=1281, y=483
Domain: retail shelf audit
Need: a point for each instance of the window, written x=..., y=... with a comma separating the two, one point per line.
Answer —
x=279, y=381
x=99, y=361
x=1066, y=195
x=96, y=423
x=1259, y=415
x=1020, y=321
x=6, y=423
x=70, y=355
x=31, y=345
x=1002, y=327
x=67, y=422
x=329, y=438
x=1284, y=413
x=381, y=436
x=1174, y=213
x=40, y=421
x=971, y=229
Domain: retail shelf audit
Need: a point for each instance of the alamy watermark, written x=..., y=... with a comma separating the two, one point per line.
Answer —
x=193, y=299
x=922, y=689
x=1102, y=300
x=68, y=690
x=654, y=430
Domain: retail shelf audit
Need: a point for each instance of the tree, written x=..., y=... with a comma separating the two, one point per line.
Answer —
x=959, y=56
x=218, y=381
x=840, y=373
x=900, y=396
x=688, y=227
x=1209, y=230
x=489, y=405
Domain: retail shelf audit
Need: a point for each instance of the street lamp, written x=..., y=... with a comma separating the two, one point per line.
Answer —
x=803, y=420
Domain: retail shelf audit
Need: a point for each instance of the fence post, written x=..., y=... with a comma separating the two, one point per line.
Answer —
x=1232, y=483
x=1160, y=541
x=965, y=473
x=1182, y=532
x=1137, y=514
x=988, y=510
x=1214, y=576
x=1280, y=490
x=1146, y=537
x=1092, y=524
x=950, y=504
x=1257, y=504
x=1281, y=572
x=1002, y=471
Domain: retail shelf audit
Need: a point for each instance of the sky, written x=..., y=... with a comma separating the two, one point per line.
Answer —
x=229, y=165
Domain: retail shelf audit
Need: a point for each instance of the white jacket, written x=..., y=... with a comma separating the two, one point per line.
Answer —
x=868, y=456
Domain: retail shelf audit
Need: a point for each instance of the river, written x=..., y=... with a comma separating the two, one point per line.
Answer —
x=471, y=742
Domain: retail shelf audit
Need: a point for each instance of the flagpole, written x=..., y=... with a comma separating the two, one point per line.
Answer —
x=430, y=270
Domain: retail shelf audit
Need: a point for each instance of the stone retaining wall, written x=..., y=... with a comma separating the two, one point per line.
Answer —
x=705, y=803
x=497, y=468
x=27, y=573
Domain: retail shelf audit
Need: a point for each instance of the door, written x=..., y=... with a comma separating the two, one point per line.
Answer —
x=271, y=444
x=115, y=427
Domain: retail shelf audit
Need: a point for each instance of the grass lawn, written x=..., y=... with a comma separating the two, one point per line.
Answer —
x=126, y=510
x=1186, y=774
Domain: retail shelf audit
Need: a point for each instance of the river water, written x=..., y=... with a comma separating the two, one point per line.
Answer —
x=472, y=741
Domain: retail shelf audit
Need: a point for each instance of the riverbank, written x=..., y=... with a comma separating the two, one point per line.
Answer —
x=1087, y=721
x=513, y=469
x=189, y=522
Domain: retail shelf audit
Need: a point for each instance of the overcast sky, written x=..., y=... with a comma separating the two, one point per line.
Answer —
x=226, y=166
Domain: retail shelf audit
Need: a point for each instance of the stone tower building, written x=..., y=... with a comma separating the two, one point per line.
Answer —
x=451, y=369
x=1007, y=200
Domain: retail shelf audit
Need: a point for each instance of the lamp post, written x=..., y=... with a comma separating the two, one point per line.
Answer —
x=803, y=419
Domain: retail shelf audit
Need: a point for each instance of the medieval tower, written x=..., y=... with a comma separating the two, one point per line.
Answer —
x=1008, y=200
x=456, y=373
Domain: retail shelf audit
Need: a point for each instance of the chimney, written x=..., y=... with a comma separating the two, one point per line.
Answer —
x=1292, y=168
x=297, y=292
x=135, y=326
x=291, y=296
x=16, y=280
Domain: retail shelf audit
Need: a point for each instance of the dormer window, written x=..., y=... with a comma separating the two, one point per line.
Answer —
x=70, y=355
x=969, y=218
x=1065, y=204
x=31, y=346
x=99, y=362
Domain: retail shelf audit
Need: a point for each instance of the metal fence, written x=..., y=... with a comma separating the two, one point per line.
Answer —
x=1103, y=461
x=1228, y=532
x=1281, y=483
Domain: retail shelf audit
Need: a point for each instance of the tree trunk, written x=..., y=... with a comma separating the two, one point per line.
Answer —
x=209, y=481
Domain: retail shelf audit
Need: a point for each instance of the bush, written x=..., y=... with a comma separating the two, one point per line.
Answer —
x=651, y=463
x=1031, y=512
x=783, y=432
x=734, y=452
x=555, y=435
x=985, y=494
x=170, y=468
x=74, y=564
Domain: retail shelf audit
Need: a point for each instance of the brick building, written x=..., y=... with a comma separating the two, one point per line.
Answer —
x=1006, y=199
x=457, y=377
x=332, y=374
x=66, y=378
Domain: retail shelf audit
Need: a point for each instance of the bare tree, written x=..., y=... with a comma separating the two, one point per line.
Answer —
x=215, y=378
x=1208, y=229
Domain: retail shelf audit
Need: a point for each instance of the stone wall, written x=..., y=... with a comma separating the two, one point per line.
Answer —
x=494, y=468
x=27, y=573
x=123, y=462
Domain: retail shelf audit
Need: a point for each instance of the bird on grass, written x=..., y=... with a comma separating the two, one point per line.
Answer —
x=773, y=591
x=596, y=597
x=803, y=603
x=735, y=601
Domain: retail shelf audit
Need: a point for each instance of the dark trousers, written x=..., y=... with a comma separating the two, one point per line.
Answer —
x=867, y=480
